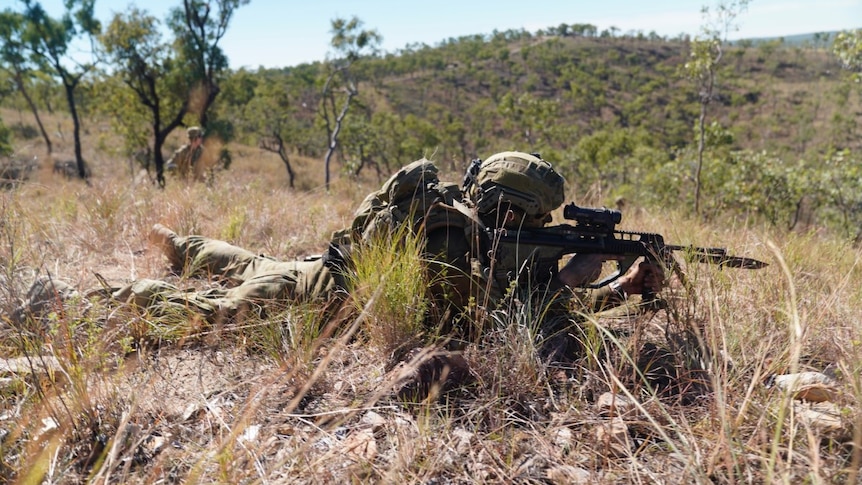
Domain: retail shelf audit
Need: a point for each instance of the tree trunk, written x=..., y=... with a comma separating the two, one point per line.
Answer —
x=290, y=175
x=20, y=82
x=159, y=159
x=333, y=137
x=700, y=148
x=69, y=86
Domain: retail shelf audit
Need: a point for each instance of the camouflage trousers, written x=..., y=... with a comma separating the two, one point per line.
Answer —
x=246, y=283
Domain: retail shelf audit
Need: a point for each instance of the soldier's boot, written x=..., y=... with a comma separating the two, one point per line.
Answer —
x=165, y=239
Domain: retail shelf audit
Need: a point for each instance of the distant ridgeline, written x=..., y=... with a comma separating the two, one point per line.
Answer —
x=814, y=39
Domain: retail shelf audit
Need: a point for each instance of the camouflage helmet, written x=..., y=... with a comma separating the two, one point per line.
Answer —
x=194, y=132
x=524, y=180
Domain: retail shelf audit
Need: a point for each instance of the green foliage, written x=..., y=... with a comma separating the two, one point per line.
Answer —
x=759, y=184
x=199, y=27
x=848, y=47
x=703, y=58
x=764, y=187
x=5, y=142
x=234, y=228
x=838, y=183
x=147, y=85
x=47, y=41
x=350, y=41
x=614, y=160
x=171, y=82
x=340, y=84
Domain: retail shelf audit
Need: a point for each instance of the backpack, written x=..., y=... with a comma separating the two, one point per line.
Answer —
x=412, y=195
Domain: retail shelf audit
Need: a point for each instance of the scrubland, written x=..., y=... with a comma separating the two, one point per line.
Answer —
x=98, y=395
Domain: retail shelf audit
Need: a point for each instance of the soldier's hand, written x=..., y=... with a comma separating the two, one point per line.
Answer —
x=644, y=276
x=584, y=268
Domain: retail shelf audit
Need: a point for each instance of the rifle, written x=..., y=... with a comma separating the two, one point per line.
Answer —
x=595, y=232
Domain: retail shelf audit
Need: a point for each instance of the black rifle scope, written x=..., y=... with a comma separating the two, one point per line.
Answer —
x=592, y=217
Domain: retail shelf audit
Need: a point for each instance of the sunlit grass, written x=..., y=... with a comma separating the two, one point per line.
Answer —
x=293, y=398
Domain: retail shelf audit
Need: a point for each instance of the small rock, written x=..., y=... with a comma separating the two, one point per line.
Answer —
x=374, y=420
x=563, y=439
x=462, y=439
x=48, y=425
x=807, y=386
x=361, y=444
x=478, y=468
x=27, y=365
x=610, y=404
x=613, y=436
x=251, y=433
x=406, y=426
x=567, y=474
x=155, y=444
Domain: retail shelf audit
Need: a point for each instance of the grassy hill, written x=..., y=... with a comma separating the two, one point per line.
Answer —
x=615, y=115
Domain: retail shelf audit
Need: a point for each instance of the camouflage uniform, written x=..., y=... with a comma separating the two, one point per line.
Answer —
x=186, y=158
x=463, y=265
x=45, y=295
x=250, y=282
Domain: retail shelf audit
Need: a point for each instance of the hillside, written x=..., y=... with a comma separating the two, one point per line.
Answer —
x=614, y=114
x=592, y=84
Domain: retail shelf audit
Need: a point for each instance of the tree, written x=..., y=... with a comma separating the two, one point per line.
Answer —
x=171, y=81
x=199, y=28
x=274, y=118
x=48, y=41
x=529, y=118
x=848, y=48
x=341, y=86
x=702, y=67
x=5, y=145
x=13, y=56
x=146, y=67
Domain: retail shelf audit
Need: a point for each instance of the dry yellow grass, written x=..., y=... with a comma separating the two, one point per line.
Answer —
x=256, y=403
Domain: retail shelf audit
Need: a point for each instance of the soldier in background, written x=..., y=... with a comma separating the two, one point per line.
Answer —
x=186, y=158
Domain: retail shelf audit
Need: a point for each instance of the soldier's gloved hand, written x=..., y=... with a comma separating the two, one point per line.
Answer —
x=583, y=268
x=643, y=276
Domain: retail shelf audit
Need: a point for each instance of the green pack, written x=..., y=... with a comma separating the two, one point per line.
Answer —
x=410, y=195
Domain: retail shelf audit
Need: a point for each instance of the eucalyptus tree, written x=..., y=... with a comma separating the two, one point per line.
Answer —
x=48, y=41
x=707, y=51
x=146, y=67
x=340, y=86
x=847, y=187
x=14, y=59
x=199, y=26
x=272, y=114
x=174, y=80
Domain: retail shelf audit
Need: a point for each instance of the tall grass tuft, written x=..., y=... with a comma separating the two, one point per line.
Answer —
x=391, y=267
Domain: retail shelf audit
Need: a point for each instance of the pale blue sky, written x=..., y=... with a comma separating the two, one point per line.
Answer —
x=278, y=33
